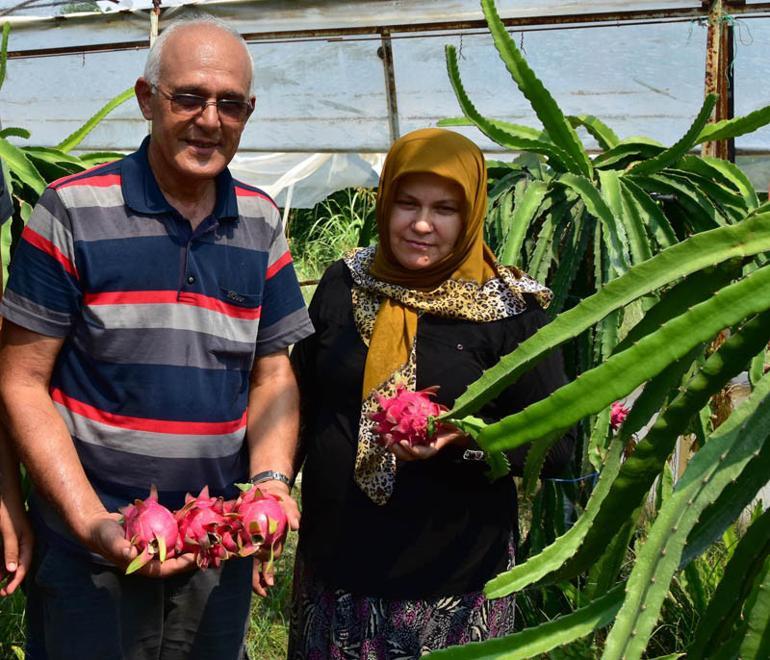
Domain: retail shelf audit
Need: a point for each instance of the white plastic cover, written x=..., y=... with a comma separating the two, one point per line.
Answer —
x=329, y=95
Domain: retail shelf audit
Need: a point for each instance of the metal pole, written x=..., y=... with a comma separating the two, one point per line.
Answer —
x=385, y=52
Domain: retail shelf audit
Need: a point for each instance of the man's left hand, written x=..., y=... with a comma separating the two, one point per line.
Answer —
x=263, y=575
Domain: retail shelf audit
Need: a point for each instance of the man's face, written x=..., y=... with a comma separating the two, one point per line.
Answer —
x=188, y=147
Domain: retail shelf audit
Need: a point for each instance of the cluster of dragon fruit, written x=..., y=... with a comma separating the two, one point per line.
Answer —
x=407, y=416
x=210, y=528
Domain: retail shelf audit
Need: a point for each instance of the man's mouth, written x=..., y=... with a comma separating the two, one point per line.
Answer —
x=202, y=144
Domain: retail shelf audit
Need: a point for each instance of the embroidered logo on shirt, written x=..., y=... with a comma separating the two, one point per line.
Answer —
x=231, y=295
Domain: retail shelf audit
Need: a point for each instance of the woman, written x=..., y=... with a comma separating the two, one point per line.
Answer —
x=396, y=544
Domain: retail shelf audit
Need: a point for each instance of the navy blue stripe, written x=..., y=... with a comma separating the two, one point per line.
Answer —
x=136, y=264
x=282, y=296
x=217, y=268
x=222, y=266
x=40, y=278
x=119, y=477
x=152, y=391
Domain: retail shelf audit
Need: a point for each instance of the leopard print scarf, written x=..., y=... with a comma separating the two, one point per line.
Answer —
x=498, y=298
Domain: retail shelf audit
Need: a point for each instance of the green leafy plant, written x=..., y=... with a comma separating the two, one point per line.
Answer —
x=29, y=169
x=664, y=250
x=319, y=236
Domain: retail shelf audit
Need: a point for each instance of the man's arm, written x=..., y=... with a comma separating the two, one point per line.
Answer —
x=44, y=444
x=16, y=537
x=272, y=427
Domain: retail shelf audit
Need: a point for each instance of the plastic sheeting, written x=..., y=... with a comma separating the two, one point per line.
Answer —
x=329, y=94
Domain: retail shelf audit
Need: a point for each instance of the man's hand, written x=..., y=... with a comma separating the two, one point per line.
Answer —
x=447, y=435
x=263, y=574
x=107, y=538
x=16, y=540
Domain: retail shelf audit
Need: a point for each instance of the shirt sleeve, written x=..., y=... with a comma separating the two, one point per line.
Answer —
x=540, y=381
x=43, y=292
x=284, y=319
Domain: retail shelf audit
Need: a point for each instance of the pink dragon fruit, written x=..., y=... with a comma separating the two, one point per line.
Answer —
x=205, y=529
x=407, y=416
x=263, y=522
x=152, y=530
x=618, y=414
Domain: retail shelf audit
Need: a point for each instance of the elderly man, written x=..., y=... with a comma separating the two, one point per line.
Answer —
x=149, y=311
x=15, y=532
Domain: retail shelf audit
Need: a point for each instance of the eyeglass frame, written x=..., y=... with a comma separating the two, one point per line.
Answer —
x=205, y=103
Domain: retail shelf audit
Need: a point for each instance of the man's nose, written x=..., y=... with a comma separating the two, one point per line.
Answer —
x=209, y=116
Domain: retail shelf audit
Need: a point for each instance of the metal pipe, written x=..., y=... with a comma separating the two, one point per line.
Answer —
x=755, y=10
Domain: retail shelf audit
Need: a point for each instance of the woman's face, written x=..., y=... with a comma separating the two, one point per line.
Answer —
x=425, y=220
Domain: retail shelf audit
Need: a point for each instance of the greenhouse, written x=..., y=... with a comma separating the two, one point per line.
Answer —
x=628, y=154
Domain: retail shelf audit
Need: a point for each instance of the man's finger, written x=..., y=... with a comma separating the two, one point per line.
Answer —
x=10, y=552
x=258, y=584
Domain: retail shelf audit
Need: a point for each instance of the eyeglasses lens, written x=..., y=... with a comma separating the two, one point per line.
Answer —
x=189, y=104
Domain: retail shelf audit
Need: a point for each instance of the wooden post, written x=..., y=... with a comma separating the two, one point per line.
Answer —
x=719, y=71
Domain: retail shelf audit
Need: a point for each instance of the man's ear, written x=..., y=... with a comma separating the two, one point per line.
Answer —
x=143, y=91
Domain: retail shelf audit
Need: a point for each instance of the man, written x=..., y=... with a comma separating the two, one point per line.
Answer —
x=15, y=531
x=148, y=316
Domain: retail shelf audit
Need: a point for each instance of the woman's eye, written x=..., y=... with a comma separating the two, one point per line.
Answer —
x=447, y=210
x=406, y=203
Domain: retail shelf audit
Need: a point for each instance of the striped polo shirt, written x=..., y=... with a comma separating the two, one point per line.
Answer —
x=162, y=325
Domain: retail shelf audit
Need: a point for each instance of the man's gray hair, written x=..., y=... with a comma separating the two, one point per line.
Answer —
x=192, y=18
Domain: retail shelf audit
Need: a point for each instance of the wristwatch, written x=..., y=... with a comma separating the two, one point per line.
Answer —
x=271, y=475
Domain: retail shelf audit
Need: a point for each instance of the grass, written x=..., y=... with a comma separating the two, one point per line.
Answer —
x=268, y=634
x=321, y=235
x=12, y=626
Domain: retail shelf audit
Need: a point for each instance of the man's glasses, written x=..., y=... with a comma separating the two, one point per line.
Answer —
x=189, y=105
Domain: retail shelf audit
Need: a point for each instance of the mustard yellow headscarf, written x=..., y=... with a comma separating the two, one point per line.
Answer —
x=387, y=298
x=453, y=157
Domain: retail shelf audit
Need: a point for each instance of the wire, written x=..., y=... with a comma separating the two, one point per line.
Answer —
x=584, y=477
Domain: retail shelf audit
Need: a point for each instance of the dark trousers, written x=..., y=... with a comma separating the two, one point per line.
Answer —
x=80, y=610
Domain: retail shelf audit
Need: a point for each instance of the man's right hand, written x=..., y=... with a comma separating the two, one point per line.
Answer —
x=107, y=537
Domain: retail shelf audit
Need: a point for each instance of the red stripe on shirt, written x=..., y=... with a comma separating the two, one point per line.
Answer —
x=97, y=181
x=246, y=192
x=171, y=298
x=145, y=423
x=278, y=264
x=43, y=244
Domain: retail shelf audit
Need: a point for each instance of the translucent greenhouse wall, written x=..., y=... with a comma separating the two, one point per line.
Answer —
x=329, y=93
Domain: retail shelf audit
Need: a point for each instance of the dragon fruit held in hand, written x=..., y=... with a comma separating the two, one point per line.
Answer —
x=152, y=530
x=263, y=523
x=618, y=414
x=406, y=416
x=205, y=529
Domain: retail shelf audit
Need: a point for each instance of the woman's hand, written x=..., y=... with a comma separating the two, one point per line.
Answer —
x=447, y=435
x=16, y=540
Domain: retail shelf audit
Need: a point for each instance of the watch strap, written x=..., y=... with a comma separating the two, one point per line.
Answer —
x=271, y=475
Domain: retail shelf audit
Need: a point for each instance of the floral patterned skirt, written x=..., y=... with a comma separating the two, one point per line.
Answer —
x=330, y=624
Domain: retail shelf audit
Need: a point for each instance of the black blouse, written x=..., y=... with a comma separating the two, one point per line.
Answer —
x=446, y=528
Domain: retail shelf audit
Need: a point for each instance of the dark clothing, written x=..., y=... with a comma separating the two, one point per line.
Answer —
x=445, y=530
x=6, y=206
x=78, y=610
